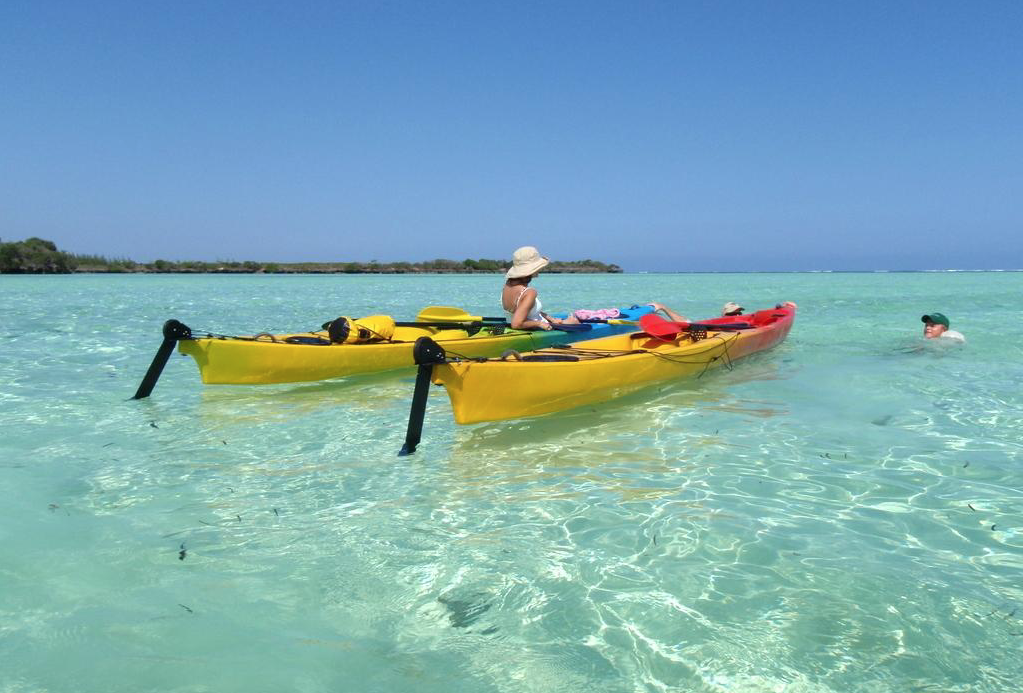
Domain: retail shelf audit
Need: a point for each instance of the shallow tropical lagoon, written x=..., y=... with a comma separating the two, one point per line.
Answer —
x=842, y=513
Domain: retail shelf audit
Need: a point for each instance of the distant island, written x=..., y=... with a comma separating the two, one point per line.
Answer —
x=39, y=256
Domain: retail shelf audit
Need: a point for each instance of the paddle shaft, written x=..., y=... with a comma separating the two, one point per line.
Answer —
x=444, y=314
x=454, y=325
x=450, y=313
x=450, y=325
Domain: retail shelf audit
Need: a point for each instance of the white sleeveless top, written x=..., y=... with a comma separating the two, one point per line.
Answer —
x=534, y=313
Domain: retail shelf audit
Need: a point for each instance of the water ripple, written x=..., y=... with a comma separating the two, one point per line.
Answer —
x=841, y=514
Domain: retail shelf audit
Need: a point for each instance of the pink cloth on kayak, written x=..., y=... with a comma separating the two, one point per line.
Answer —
x=602, y=314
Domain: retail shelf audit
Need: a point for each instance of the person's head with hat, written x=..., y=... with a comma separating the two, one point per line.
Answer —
x=520, y=301
x=732, y=309
x=935, y=324
x=526, y=264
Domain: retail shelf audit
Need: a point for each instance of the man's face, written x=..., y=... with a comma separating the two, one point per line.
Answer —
x=933, y=329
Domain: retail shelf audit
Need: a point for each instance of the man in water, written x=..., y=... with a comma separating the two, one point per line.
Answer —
x=731, y=309
x=936, y=327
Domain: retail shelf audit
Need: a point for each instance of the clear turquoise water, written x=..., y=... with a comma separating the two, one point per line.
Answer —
x=842, y=513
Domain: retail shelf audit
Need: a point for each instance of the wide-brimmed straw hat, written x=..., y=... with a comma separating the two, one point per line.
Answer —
x=526, y=261
x=732, y=309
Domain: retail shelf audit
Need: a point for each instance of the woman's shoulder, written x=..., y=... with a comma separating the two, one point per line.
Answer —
x=518, y=290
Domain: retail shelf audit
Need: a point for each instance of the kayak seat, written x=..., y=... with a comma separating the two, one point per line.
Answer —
x=764, y=317
x=654, y=342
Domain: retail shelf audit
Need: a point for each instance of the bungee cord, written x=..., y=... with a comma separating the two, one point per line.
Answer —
x=584, y=354
x=321, y=335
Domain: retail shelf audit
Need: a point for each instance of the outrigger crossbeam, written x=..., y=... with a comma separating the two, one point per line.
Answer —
x=172, y=332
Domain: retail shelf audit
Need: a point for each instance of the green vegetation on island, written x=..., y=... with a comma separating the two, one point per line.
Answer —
x=39, y=256
x=35, y=256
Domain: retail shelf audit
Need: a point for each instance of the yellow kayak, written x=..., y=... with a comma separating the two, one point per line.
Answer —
x=597, y=370
x=268, y=359
x=309, y=356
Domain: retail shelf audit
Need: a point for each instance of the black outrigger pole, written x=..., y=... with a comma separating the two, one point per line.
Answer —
x=426, y=354
x=172, y=332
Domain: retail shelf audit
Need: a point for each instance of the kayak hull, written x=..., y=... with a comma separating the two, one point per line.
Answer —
x=266, y=359
x=607, y=368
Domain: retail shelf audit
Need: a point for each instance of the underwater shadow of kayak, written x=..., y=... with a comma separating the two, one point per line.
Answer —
x=637, y=414
x=400, y=382
x=369, y=400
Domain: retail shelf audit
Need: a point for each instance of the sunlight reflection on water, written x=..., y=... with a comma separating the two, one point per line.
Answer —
x=839, y=514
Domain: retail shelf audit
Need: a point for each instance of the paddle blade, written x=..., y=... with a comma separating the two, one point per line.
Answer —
x=445, y=314
x=452, y=314
x=656, y=326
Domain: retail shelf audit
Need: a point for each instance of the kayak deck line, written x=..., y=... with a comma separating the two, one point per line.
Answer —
x=584, y=354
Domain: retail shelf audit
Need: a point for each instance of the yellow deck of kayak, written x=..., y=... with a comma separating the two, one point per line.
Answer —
x=607, y=368
x=267, y=360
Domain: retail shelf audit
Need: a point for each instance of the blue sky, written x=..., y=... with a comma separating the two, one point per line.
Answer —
x=664, y=136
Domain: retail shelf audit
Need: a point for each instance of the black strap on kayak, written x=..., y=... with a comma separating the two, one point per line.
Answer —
x=476, y=325
x=426, y=354
x=172, y=332
x=471, y=328
x=535, y=356
x=300, y=339
x=447, y=325
x=573, y=327
x=727, y=326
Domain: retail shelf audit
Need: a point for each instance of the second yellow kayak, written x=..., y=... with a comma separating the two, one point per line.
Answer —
x=598, y=370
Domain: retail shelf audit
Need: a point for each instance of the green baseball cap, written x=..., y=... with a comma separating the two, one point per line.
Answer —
x=936, y=318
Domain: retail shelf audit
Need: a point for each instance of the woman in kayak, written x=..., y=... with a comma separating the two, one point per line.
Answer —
x=522, y=303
